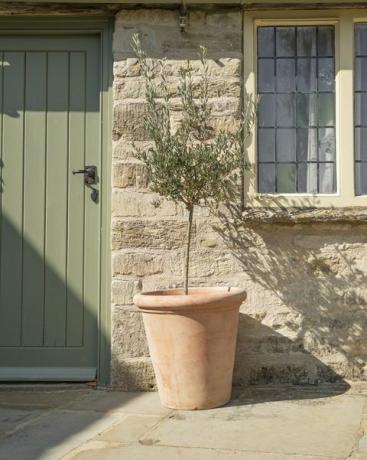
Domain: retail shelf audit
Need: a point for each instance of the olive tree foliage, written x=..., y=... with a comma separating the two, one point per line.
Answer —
x=189, y=162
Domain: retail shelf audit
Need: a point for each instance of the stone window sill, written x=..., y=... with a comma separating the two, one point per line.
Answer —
x=355, y=215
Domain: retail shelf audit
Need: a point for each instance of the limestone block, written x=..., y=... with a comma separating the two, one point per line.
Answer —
x=127, y=203
x=124, y=150
x=128, y=336
x=134, y=88
x=204, y=263
x=123, y=291
x=164, y=234
x=163, y=38
x=129, y=175
x=132, y=374
x=137, y=263
x=128, y=121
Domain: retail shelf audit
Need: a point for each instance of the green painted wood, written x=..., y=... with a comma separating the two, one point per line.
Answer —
x=34, y=198
x=92, y=211
x=56, y=229
x=104, y=358
x=12, y=198
x=56, y=198
x=49, y=374
x=76, y=229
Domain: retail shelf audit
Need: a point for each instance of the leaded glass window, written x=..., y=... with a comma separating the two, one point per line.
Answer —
x=360, y=107
x=296, y=121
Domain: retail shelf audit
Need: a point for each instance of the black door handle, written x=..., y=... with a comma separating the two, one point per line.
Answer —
x=90, y=178
x=90, y=174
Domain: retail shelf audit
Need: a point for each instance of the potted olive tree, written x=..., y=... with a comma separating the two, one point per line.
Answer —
x=191, y=332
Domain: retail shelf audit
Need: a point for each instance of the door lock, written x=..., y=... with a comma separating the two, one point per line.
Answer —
x=90, y=178
x=90, y=174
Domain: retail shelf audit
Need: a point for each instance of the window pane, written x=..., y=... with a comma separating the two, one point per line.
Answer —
x=361, y=178
x=361, y=109
x=326, y=144
x=267, y=110
x=307, y=144
x=306, y=41
x=287, y=174
x=266, y=178
x=326, y=110
x=286, y=75
x=360, y=74
x=361, y=40
x=285, y=41
x=266, y=144
x=286, y=110
x=326, y=74
x=286, y=145
x=306, y=110
x=360, y=141
x=307, y=177
x=306, y=75
x=298, y=144
x=266, y=76
x=265, y=47
x=325, y=42
x=327, y=178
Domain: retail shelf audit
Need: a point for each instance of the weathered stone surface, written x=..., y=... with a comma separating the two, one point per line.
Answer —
x=163, y=38
x=128, y=334
x=217, y=87
x=128, y=121
x=138, y=264
x=298, y=428
x=124, y=150
x=129, y=175
x=303, y=215
x=127, y=203
x=132, y=374
x=222, y=68
x=123, y=291
x=130, y=429
x=163, y=234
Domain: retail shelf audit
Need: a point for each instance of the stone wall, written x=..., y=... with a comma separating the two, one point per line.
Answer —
x=305, y=317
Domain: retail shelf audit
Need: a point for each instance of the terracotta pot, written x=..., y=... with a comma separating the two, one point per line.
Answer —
x=192, y=342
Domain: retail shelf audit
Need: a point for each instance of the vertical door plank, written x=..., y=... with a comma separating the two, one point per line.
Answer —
x=92, y=210
x=34, y=199
x=75, y=266
x=56, y=199
x=12, y=214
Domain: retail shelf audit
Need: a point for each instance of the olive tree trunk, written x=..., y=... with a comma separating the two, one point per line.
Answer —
x=188, y=243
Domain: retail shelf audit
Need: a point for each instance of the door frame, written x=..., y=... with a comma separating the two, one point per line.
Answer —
x=103, y=27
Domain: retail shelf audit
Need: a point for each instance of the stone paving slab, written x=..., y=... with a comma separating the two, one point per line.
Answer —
x=54, y=434
x=326, y=422
x=128, y=402
x=39, y=396
x=176, y=453
x=324, y=427
x=11, y=419
x=130, y=429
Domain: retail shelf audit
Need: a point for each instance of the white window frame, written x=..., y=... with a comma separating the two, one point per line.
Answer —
x=344, y=22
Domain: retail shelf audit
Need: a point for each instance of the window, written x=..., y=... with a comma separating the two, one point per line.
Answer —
x=360, y=105
x=309, y=69
x=296, y=123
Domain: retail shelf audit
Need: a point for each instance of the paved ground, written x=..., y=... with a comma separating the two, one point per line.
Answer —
x=261, y=423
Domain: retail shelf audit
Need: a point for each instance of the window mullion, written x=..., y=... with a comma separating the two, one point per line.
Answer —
x=345, y=106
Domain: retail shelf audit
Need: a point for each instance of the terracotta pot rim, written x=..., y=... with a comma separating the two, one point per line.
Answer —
x=175, y=299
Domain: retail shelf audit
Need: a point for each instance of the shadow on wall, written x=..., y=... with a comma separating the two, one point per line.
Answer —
x=305, y=318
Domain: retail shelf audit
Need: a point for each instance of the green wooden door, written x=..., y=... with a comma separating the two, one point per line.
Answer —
x=49, y=230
